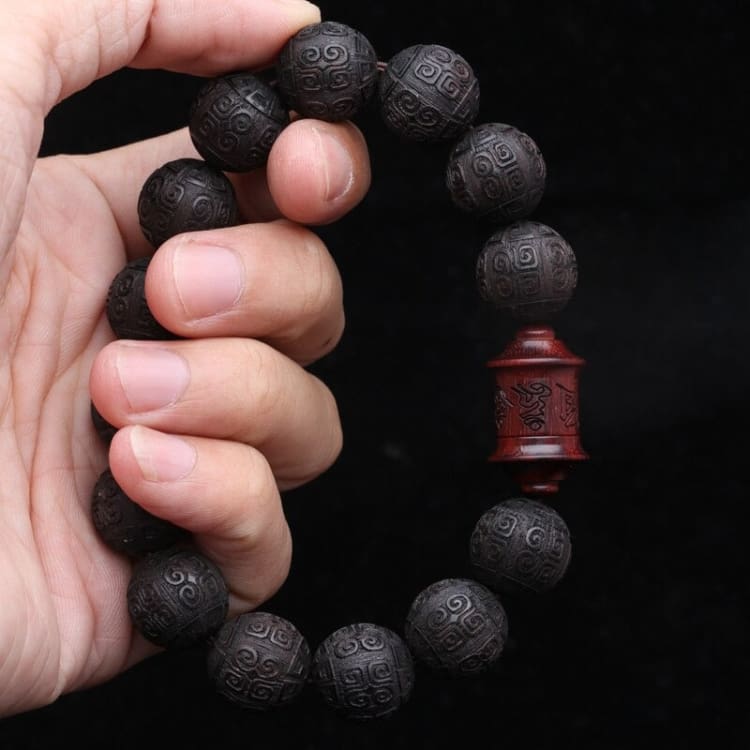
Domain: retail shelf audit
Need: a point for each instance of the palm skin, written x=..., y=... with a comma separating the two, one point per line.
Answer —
x=62, y=588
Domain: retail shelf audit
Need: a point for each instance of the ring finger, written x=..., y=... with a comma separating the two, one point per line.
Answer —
x=222, y=492
x=234, y=389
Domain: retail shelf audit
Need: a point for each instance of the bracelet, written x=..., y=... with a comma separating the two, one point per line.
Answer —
x=177, y=598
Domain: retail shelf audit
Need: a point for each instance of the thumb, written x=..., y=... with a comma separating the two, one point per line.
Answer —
x=49, y=50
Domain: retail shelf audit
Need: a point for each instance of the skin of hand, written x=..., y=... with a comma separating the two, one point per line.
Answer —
x=212, y=426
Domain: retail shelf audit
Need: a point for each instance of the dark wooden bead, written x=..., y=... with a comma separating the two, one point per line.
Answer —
x=528, y=270
x=328, y=71
x=536, y=410
x=124, y=526
x=520, y=545
x=363, y=671
x=234, y=120
x=428, y=93
x=177, y=598
x=259, y=661
x=496, y=172
x=456, y=627
x=185, y=195
x=128, y=312
x=104, y=429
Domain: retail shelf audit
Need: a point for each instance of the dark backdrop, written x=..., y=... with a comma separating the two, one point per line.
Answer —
x=637, y=109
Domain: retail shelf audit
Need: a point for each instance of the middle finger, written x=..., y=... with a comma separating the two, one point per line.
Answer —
x=275, y=281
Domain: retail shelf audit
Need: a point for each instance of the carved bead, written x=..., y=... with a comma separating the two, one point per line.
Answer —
x=520, y=545
x=259, y=661
x=457, y=627
x=328, y=71
x=124, y=526
x=234, y=121
x=536, y=410
x=363, y=671
x=428, y=93
x=496, y=172
x=177, y=598
x=128, y=313
x=185, y=195
x=528, y=269
x=104, y=429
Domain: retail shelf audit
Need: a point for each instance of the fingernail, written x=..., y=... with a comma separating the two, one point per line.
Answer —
x=162, y=458
x=309, y=9
x=151, y=378
x=208, y=279
x=337, y=165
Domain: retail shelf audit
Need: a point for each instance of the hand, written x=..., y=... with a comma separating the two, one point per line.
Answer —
x=213, y=426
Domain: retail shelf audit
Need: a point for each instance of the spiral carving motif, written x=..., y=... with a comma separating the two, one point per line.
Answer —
x=234, y=121
x=520, y=545
x=259, y=661
x=428, y=93
x=124, y=526
x=496, y=172
x=177, y=598
x=363, y=671
x=128, y=312
x=185, y=195
x=528, y=269
x=456, y=626
x=328, y=71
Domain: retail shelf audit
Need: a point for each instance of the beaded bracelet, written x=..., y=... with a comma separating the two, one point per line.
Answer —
x=177, y=597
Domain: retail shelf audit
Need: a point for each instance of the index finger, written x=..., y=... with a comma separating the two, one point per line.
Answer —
x=82, y=41
x=49, y=50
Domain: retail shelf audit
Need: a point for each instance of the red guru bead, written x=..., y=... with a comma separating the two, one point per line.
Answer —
x=536, y=410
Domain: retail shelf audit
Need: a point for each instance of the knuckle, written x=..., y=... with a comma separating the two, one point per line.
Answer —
x=330, y=342
x=322, y=288
x=318, y=287
x=260, y=495
x=315, y=327
x=329, y=439
x=263, y=381
x=252, y=513
x=336, y=445
x=277, y=573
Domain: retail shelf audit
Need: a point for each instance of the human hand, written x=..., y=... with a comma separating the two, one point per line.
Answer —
x=214, y=425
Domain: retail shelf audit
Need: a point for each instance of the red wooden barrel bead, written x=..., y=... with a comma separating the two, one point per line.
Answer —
x=536, y=409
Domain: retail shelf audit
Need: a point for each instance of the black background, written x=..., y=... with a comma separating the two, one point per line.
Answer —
x=637, y=108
